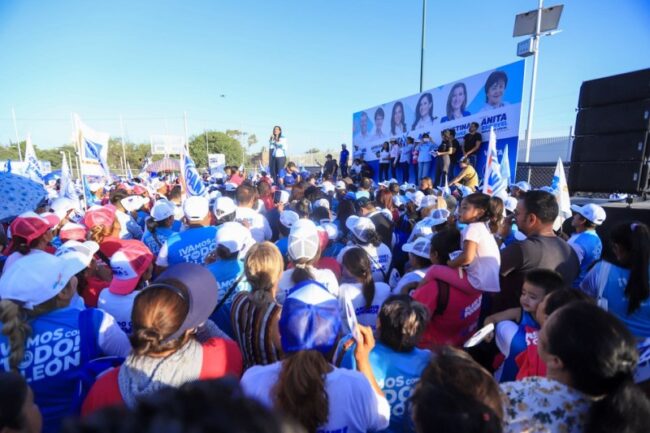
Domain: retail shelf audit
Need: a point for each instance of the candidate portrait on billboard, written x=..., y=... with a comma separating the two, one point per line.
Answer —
x=495, y=87
x=456, y=103
x=423, y=113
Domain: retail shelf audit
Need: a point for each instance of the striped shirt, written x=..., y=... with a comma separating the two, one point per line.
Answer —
x=256, y=330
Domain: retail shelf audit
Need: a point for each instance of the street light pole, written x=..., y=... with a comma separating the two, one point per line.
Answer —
x=424, y=21
x=533, y=81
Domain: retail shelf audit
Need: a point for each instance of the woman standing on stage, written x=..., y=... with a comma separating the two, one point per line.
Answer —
x=277, y=151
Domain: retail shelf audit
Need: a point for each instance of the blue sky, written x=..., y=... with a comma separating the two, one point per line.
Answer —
x=301, y=64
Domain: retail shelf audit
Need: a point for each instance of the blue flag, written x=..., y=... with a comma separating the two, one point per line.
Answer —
x=193, y=181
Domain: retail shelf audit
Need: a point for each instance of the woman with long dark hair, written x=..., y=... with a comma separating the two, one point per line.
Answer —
x=423, y=112
x=397, y=120
x=589, y=386
x=384, y=161
x=622, y=286
x=277, y=151
x=456, y=103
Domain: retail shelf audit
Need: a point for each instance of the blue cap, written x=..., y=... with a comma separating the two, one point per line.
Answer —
x=310, y=319
x=289, y=179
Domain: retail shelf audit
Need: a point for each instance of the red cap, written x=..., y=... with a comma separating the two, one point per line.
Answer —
x=99, y=215
x=323, y=238
x=72, y=231
x=128, y=264
x=51, y=218
x=29, y=226
x=139, y=190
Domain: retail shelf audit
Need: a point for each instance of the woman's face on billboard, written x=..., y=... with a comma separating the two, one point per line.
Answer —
x=398, y=115
x=458, y=98
x=495, y=92
x=425, y=106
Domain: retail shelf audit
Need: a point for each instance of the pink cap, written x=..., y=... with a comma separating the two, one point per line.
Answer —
x=51, y=218
x=72, y=231
x=30, y=226
x=128, y=264
x=99, y=216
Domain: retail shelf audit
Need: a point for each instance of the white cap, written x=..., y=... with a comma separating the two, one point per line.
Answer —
x=331, y=229
x=230, y=187
x=591, y=212
x=428, y=201
x=416, y=197
x=360, y=226
x=510, y=204
x=398, y=201
x=133, y=202
x=284, y=197
x=62, y=205
x=21, y=283
x=341, y=185
x=288, y=218
x=420, y=247
x=235, y=237
x=523, y=185
x=162, y=210
x=321, y=202
x=223, y=206
x=304, y=242
x=95, y=186
x=327, y=187
x=82, y=252
x=438, y=216
x=196, y=208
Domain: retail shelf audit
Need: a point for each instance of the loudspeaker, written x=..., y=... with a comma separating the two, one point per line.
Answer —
x=628, y=177
x=627, y=87
x=625, y=117
x=627, y=146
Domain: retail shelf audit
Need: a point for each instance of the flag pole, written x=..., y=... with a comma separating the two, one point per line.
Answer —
x=75, y=128
x=122, y=136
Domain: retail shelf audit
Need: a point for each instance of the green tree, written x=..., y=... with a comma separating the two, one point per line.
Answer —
x=217, y=142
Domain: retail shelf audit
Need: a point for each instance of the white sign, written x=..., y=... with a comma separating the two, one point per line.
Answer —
x=216, y=162
x=167, y=144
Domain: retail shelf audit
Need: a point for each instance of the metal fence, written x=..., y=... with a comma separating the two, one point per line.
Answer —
x=539, y=174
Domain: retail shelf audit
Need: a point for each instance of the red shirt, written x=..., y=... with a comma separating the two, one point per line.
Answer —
x=221, y=357
x=460, y=319
x=529, y=361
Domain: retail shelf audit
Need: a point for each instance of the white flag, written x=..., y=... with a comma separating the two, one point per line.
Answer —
x=93, y=149
x=561, y=191
x=505, y=166
x=33, y=168
x=193, y=182
x=67, y=186
x=493, y=182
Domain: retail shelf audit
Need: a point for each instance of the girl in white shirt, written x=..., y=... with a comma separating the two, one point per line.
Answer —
x=480, y=252
x=366, y=295
x=384, y=162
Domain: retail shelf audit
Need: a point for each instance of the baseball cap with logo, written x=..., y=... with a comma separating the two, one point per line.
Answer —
x=223, y=206
x=310, y=319
x=235, y=237
x=360, y=227
x=73, y=231
x=341, y=185
x=523, y=186
x=99, y=215
x=128, y=264
x=22, y=284
x=420, y=247
x=133, y=202
x=591, y=212
x=30, y=226
x=438, y=216
x=510, y=204
x=303, y=241
x=196, y=208
x=82, y=252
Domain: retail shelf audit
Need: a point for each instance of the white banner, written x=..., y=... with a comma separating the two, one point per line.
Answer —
x=93, y=149
x=216, y=162
x=167, y=144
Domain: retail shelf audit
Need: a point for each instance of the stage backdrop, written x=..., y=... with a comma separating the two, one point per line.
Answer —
x=454, y=105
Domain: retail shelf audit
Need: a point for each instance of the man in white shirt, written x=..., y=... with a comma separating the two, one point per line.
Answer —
x=249, y=217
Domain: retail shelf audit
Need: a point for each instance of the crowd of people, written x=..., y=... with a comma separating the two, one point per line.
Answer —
x=322, y=303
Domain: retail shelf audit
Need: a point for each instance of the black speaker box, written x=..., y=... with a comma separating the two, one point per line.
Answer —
x=615, y=89
x=609, y=177
x=625, y=117
x=627, y=146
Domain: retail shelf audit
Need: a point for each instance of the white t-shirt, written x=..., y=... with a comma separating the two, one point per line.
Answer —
x=323, y=276
x=411, y=277
x=257, y=223
x=367, y=316
x=394, y=151
x=483, y=272
x=384, y=157
x=118, y=306
x=353, y=405
x=380, y=259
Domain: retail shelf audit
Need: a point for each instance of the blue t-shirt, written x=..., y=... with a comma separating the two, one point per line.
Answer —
x=396, y=373
x=283, y=246
x=617, y=303
x=345, y=154
x=162, y=233
x=588, y=247
x=190, y=246
x=424, y=149
x=226, y=273
x=517, y=345
x=53, y=362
